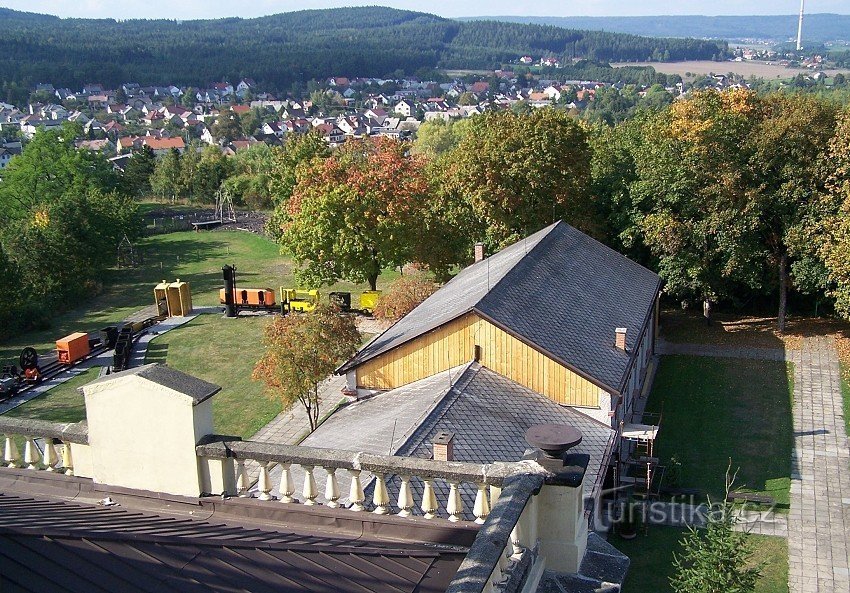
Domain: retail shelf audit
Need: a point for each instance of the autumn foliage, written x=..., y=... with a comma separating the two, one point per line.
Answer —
x=404, y=295
x=301, y=351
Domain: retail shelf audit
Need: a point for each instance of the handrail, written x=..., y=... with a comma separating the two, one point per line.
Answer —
x=67, y=432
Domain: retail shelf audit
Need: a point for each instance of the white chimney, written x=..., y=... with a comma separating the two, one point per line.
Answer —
x=620, y=338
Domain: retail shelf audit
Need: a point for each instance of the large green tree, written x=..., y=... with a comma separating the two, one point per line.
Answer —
x=357, y=212
x=518, y=173
x=834, y=243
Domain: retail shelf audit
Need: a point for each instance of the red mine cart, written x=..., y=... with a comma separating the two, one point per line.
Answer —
x=73, y=348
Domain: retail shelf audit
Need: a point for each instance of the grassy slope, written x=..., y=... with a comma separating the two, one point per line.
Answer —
x=652, y=561
x=218, y=350
x=717, y=409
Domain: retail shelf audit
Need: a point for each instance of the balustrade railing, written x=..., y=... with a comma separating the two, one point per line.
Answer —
x=50, y=434
x=485, y=480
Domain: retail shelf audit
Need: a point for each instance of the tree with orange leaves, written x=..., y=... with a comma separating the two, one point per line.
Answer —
x=363, y=209
x=301, y=351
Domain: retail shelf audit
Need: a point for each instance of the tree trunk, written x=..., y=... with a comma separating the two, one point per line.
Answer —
x=783, y=290
x=373, y=281
x=314, y=411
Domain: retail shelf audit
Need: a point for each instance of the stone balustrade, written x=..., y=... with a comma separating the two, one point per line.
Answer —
x=226, y=456
x=52, y=434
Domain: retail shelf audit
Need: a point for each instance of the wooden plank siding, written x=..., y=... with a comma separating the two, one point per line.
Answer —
x=453, y=344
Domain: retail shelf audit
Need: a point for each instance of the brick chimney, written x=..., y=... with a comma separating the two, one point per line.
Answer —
x=444, y=446
x=620, y=338
x=479, y=251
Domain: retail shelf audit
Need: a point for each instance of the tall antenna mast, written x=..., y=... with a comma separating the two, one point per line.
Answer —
x=800, y=26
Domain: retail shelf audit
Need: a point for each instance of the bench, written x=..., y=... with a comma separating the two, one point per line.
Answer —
x=750, y=497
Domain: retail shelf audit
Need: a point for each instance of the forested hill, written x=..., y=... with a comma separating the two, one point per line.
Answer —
x=817, y=28
x=298, y=46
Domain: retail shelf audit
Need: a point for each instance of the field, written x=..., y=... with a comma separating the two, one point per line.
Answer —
x=746, y=69
x=717, y=409
x=652, y=560
x=219, y=350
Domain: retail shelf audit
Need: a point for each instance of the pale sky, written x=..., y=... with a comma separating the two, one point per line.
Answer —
x=193, y=9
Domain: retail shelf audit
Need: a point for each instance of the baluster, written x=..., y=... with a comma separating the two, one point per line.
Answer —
x=67, y=459
x=355, y=493
x=51, y=458
x=310, y=491
x=264, y=483
x=481, y=508
x=332, y=489
x=429, y=499
x=287, y=486
x=516, y=542
x=31, y=455
x=242, y=480
x=10, y=452
x=405, y=498
x=454, y=505
x=380, y=497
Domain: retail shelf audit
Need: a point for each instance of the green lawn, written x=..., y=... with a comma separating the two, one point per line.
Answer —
x=717, y=409
x=218, y=350
x=652, y=560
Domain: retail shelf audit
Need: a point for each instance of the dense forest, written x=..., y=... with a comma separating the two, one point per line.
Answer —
x=818, y=28
x=283, y=49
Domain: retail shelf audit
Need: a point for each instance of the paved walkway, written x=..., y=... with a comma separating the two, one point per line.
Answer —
x=819, y=521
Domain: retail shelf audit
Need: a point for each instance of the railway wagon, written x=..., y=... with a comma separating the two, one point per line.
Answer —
x=73, y=348
x=260, y=298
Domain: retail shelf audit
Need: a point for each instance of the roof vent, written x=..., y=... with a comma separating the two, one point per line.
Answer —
x=444, y=446
x=620, y=338
x=553, y=439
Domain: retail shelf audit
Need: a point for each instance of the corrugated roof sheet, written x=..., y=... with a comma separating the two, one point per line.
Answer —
x=559, y=290
x=57, y=546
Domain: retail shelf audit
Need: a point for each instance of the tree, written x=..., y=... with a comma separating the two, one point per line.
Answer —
x=467, y=98
x=165, y=180
x=250, y=122
x=356, y=212
x=835, y=244
x=437, y=137
x=227, y=127
x=717, y=559
x=138, y=172
x=403, y=296
x=188, y=98
x=785, y=154
x=518, y=173
x=301, y=351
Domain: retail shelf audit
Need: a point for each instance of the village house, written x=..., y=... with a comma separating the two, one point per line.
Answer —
x=405, y=108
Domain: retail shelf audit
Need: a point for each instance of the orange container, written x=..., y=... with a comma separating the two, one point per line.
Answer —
x=73, y=348
x=252, y=297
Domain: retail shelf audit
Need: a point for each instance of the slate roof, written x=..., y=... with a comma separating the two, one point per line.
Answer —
x=198, y=389
x=559, y=290
x=50, y=545
x=487, y=412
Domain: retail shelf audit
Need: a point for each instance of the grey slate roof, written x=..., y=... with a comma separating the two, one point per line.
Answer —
x=559, y=290
x=198, y=389
x=487, y=413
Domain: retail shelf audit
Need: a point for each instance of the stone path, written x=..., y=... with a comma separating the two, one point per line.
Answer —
x=819, y=521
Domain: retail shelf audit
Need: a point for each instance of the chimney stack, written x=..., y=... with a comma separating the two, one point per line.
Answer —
x=620, y=338
x=479, y=252
x=444, y=446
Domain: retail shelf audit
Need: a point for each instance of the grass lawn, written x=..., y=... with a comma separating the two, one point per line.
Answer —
x=196, y=257
x=715, y=409
x=652, y=560
x=222, y=351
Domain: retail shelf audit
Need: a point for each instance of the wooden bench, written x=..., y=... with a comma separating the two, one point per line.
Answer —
x=750, y=497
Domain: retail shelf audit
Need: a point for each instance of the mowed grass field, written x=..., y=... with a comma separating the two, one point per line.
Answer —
x=745, y=68
x=222, y=351
x=651, y=558
x=719, y=409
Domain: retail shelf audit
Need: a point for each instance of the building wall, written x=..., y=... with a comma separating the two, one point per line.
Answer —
x=454, y=344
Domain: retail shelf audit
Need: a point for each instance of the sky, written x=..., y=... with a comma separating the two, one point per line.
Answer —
x=193, y=9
